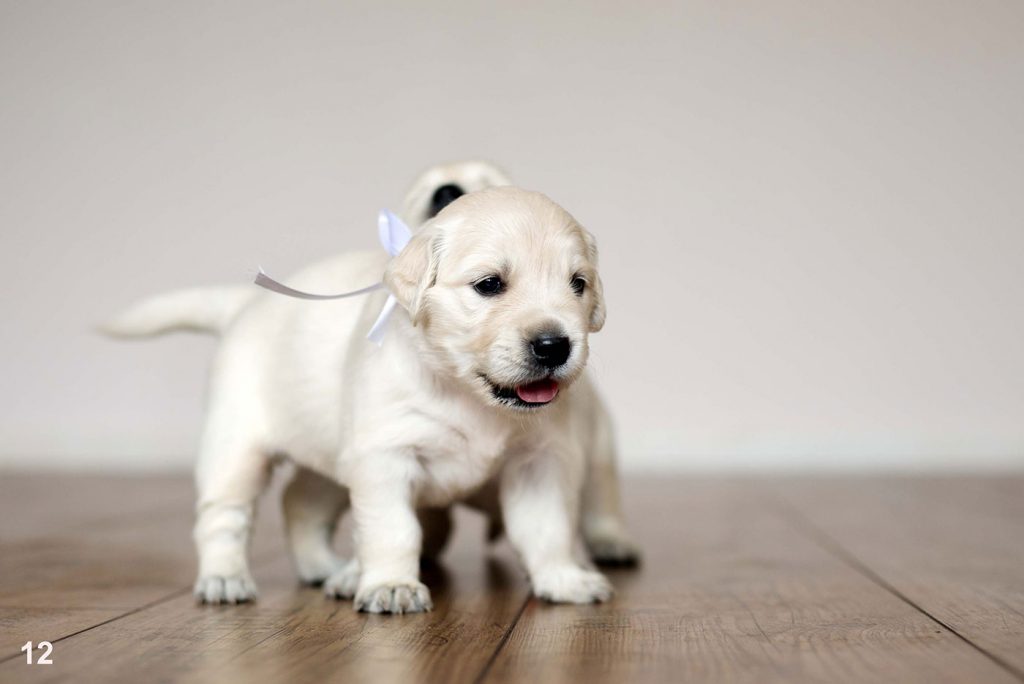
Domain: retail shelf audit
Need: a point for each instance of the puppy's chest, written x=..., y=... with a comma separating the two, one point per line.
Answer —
x=457, y=459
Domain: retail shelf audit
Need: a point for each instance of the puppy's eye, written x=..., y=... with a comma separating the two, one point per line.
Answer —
x=489, y=286
x=579, y=284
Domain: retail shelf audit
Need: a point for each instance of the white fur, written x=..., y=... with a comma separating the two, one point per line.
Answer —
x=409, y=426
x=201, y=309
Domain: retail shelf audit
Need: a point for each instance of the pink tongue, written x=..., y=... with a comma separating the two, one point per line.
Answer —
x=540, y=392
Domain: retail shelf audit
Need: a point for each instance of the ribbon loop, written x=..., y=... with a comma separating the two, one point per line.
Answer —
x=393, y=233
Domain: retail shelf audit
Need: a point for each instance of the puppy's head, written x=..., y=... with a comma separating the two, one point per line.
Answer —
x=440, y=185
x=503, y=288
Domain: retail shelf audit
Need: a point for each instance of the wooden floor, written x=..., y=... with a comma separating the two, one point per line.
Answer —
x=851, y=580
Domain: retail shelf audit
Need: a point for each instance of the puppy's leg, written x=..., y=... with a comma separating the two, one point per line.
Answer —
x=539, y=500
x=604, y=529
x=437, y=528
x=231, y=474
x=312, y=505
x=388, y=542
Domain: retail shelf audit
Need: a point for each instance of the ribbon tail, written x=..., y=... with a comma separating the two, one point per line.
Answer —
x=266, y=282
x=376, y=334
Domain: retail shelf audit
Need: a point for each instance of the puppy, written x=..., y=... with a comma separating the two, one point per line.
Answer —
x=479, y=386
x=602, y=522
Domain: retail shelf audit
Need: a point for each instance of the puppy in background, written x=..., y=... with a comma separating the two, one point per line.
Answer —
x=478, y=394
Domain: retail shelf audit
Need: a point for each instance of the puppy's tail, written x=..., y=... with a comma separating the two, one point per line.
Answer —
x=208, y=309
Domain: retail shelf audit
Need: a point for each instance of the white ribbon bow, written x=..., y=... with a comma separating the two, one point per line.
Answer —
x=394, y=236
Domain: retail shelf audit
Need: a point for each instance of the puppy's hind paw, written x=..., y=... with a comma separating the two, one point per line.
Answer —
x=225, y=589
x=314, y=571
x=413, y=597
x=571, y=584
x=342, y=583
x=613, y=552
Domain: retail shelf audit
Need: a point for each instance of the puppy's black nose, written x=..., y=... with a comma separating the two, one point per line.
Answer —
x=443, y=196
x=551, y=351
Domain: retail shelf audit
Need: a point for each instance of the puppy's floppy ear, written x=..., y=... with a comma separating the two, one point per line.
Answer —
x=410, y=274
x=597, y=313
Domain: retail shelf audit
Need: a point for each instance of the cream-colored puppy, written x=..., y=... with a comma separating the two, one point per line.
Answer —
x=480, y=379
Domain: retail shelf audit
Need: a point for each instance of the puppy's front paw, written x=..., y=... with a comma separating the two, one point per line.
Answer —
x=613, y=551
x=571, y=584
x=225, y=589
x=342, y=583
x=412, y=597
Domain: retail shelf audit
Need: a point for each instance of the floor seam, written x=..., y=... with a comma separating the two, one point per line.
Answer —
x=259, y=561
x=501, y=644
x=823, y=539
x=156, y=602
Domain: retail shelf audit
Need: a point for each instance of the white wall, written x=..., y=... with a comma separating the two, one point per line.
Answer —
x=810, y=213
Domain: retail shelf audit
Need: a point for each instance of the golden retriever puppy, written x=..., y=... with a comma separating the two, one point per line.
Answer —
x=479, y=381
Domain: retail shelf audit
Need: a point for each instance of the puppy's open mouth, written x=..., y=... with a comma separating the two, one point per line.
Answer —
x=532, y=394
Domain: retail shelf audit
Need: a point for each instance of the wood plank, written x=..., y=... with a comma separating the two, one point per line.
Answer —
x=295, y=634
x=121, y=564
x=37, y=505
x=953, y=546
x=72, y=550
x=79, y=551
x=732, y=591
